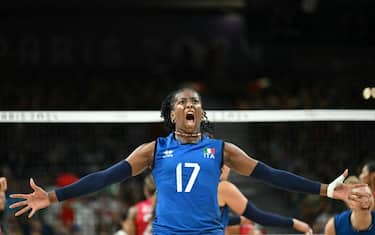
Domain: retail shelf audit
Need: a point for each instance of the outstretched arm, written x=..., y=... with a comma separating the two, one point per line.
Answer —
x=238, y=160
x=230, y=195
x=93, y=182
x=39, y=199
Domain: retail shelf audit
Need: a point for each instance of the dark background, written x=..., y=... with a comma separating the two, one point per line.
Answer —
x=93, y=49
x=127, y=55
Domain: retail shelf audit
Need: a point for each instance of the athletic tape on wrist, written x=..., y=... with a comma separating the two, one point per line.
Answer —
x=331, y=187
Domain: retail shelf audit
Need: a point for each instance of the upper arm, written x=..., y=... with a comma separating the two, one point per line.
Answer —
x=238, y=160
x=142, y=157
x=130, y=220
x=330, y=227
x=230, y=195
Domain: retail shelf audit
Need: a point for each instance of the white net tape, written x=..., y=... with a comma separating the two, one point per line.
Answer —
x=213, y=115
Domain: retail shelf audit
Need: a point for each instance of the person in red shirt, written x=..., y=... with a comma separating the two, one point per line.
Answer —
x=140, y=214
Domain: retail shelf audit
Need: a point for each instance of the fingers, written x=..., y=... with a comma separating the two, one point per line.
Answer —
x=33, y=185
x=310, y=232
x=18, y=204
x=33, y=210
x=23, y=210
x=361, y=191
x=19, y=195
x=354, y=186
x=346, y=172
x=359, y=197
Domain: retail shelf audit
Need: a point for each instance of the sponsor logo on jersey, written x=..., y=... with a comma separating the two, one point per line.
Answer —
x=167, y=153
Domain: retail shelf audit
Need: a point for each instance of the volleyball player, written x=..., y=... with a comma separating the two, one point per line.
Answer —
x=367, y=175
x=359, y=220
x=139, y=215
x=186, y=166
x=229, y=196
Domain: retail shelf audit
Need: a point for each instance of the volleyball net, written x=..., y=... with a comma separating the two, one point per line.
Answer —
x=48, y=145
x=214, y=116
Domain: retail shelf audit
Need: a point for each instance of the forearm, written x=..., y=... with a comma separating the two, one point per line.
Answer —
x=266, y=218
x=234, y=220
x=323, y=189
x=286, y=180
x=94, y=182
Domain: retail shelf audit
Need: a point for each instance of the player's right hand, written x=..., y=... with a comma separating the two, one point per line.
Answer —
x=33, y=201
x=302, y=227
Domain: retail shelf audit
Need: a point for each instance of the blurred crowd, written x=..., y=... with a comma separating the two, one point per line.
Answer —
x=51, y=153
x=146, y=94
x=299, y=55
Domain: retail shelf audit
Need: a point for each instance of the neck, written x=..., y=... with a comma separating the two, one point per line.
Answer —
x=187, y=137
x=179, y=133
x=361, y=220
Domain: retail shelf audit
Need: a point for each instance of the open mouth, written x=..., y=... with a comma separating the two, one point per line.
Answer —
x=190, y=116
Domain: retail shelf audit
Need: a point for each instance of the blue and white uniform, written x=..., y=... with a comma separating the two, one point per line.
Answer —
x=343, y=226
x=224, y=215
x=186, y=178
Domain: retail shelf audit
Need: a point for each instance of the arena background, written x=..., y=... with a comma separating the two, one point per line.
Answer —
x=248, y=55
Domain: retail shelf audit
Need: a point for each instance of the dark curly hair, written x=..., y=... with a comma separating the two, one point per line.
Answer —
x=371, y=166
x=167, y=106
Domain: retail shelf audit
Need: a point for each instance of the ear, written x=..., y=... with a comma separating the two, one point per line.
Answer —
x=173, y=116
x=203, y=118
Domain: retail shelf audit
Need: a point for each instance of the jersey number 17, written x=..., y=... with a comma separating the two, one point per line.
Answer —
x=193, y=176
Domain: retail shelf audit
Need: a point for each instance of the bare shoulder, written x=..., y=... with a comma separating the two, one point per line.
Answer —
x=147, y=147
x=330, y=227
x=224, y=192
x=224, y=186
x=230, y=147
x=237, y=159
x=132, y=212
x=232, y=150
x=230, y=195
x=228, y=189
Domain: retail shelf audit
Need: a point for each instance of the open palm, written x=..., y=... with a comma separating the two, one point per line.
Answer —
x=33, y=201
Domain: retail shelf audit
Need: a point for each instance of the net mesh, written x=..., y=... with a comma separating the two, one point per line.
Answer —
x=46, y=151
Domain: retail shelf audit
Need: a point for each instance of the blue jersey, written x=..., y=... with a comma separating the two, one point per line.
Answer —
x=186, y=178
x=343, y=226
x=224, y=215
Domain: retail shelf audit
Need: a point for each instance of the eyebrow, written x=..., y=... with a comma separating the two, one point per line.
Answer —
x=189, y=98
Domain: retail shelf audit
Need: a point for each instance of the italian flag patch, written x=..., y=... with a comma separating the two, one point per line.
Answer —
x=209, y=151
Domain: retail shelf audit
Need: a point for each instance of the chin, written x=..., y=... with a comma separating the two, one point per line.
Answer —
x=191, y=128
x=368, y=209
